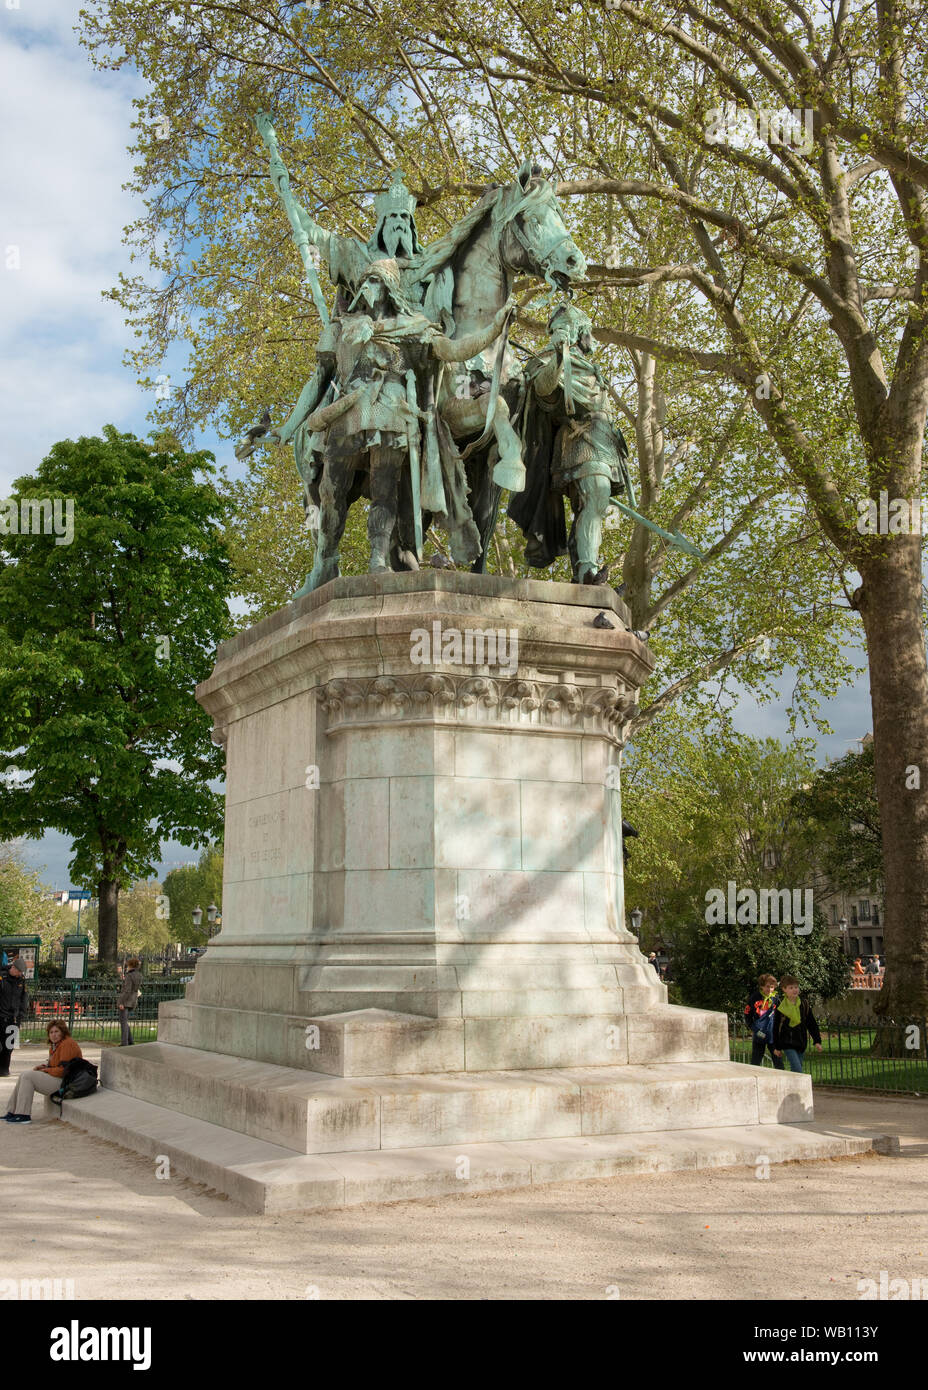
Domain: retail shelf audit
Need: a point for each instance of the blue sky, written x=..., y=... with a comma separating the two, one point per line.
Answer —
x=63, y=162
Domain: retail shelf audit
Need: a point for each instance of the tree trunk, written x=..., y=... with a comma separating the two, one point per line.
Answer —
x=108, y=919
x=890, y=606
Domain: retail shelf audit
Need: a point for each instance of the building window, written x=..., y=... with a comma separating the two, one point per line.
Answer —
x=834, y=913
x=864, y=909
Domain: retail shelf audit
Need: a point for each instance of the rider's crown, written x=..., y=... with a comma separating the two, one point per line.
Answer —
x=396, y=199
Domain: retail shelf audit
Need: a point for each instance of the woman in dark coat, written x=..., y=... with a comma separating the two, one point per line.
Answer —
x=127, y=998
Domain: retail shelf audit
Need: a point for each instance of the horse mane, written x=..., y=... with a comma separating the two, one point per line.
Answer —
x=459, y=238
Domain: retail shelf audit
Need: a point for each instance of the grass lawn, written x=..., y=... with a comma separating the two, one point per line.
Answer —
x=105, y=1032
x=845, y=1060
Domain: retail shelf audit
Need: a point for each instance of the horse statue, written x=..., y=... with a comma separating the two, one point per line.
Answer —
x=515, y=230
x=462, y=281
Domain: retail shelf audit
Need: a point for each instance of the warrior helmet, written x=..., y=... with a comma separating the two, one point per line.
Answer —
x=575, y=320
x=387, y=272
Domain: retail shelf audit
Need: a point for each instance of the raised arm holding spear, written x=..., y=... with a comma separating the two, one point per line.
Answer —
x=314, y=387
x=281, y=181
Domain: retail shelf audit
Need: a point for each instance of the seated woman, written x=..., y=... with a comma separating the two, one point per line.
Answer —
x=45, y=1078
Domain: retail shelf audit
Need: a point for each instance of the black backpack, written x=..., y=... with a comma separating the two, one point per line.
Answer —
x=80, y=1079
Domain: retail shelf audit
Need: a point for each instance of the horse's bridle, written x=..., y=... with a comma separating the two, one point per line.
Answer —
x=543, y=256
x=544, y=260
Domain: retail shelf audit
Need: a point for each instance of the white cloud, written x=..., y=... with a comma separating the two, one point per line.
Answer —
x=47, y=21
x=63, y=162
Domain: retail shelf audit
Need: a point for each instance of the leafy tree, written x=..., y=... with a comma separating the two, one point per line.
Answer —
x=26, y=906
x=709, y=811
x=143, y=928
x=741, y=264
x=843, y=820
x=102, y=642
x=192, y=886
x=716, y=967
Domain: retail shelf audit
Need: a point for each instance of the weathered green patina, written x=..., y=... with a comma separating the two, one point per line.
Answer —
x=377, y=428
x=382, y=416
x=573, y=450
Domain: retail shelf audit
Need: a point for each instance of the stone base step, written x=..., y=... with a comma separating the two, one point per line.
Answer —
x=269, y=1178
x=314, y=1113
x=381, y=1042
x=448, y=981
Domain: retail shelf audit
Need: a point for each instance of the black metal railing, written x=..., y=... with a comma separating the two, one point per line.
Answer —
x=874, y=1055
x=51, y=974
x=91, y=1013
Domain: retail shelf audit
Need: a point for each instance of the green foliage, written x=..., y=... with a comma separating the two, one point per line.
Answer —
x=228, y=279
x=143, y=928
x=102, y=642
x=101, y=970
x=193, y=886
x=843, y=820
x=716, y=967
x=25, y=906
x=710, y=806
x=20, y=911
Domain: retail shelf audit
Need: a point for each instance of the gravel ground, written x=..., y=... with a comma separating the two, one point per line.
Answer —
x=96, y=1214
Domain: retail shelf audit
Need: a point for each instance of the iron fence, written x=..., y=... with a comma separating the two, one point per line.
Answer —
x=91, y=1013
x=51, y=974
x=874, y=1055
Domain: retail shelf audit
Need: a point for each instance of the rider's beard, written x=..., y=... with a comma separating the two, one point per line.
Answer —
x=396, y=241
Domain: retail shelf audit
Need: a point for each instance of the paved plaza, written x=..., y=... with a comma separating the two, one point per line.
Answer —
x=85, y=1210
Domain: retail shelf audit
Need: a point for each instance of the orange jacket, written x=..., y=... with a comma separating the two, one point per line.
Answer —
x=66, y=1051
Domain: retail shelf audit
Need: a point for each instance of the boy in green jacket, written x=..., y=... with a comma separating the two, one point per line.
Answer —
x=793, y=1024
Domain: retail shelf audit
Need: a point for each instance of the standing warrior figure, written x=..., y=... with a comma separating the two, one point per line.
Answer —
x=572, y=449
x=384, y=351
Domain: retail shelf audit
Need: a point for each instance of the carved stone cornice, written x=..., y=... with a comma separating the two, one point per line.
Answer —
x=437, y=698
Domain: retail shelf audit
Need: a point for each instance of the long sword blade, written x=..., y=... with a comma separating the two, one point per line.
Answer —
x=673, y=537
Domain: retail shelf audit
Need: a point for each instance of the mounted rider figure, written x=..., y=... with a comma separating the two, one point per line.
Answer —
x=384, y=350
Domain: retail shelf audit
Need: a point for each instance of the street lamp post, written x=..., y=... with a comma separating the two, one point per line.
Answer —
x=637, y=915
x=843, y=926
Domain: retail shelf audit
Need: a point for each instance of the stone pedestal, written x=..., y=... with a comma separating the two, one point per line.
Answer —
x=424, y=820
x=424, y=982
